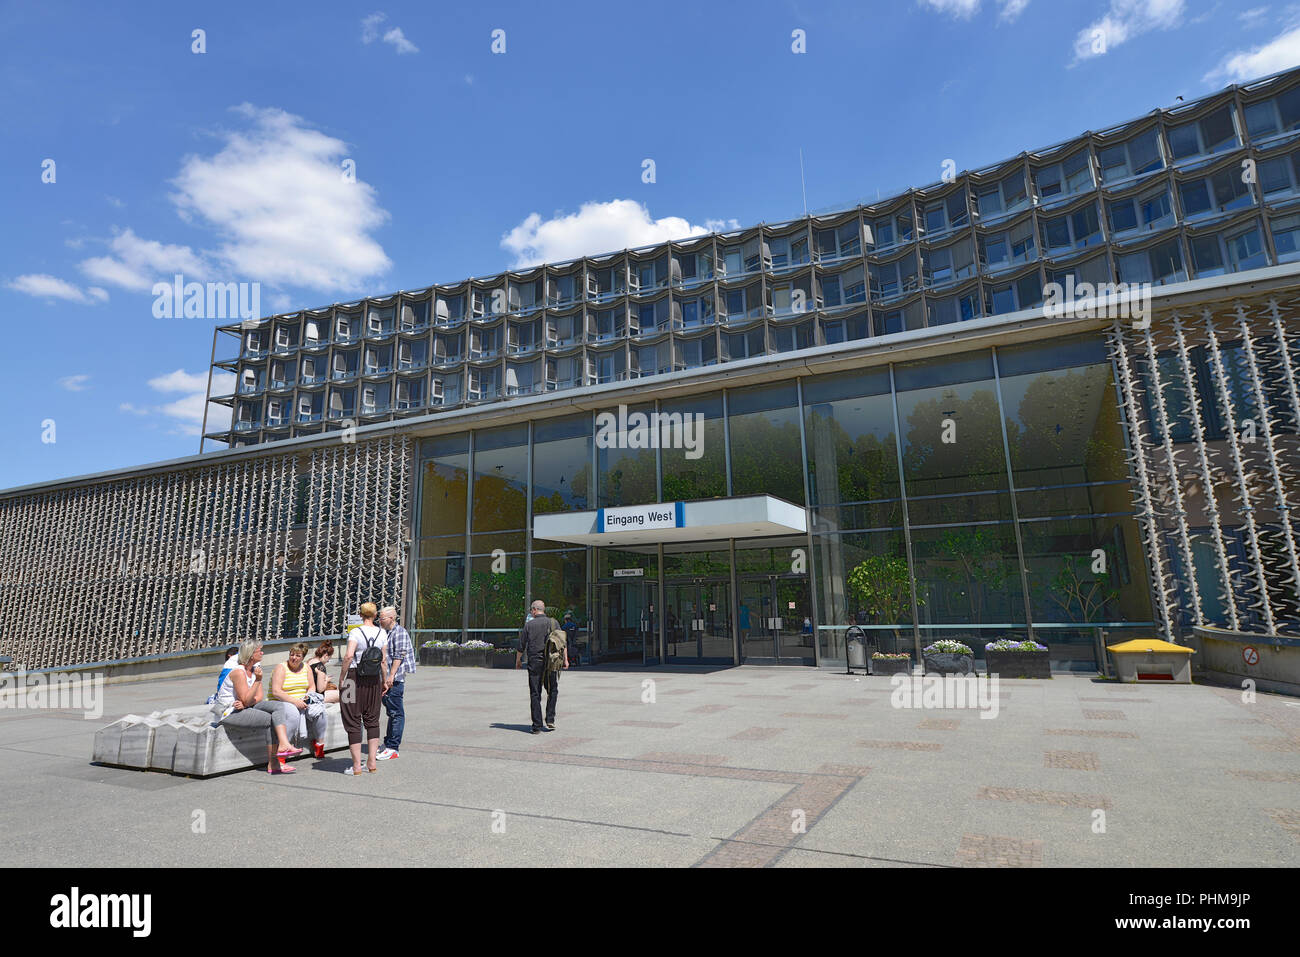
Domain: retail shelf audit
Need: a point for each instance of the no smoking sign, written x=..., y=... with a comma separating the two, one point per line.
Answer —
x=1250, y=655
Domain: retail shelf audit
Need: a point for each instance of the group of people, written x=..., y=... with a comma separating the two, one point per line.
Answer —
x=378, y=657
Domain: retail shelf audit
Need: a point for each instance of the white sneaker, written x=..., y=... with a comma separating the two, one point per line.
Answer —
x=384, y=754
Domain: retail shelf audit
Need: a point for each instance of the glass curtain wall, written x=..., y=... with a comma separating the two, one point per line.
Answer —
x=973, y=496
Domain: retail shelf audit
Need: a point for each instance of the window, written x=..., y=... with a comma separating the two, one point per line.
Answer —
x=1010, y=296
x=1144, y=212
x=609, y=324
x=1204, y=136
x=1216, y=254
x=839, y=243
x=788, y=251
x=1280, y=176
x=1073, y=230
x=697, y=353
x=1221, y=192
x=835, y=331
x=450, y=309
x=1278, y=115
x=948, y=264
x=743, y=345
x=844, y=289
x=1132, y=158
x=894, y=278
x=1286, y=237
x=1072, y=175
x=946, y=214
x=1160, y=264
x=732, y=261
x=953, y=309
x=745, y=302
x=1006, y=196
x=790, y=338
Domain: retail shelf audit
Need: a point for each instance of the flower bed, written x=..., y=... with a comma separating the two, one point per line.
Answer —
x=887, y=664
x=437, y=652
x=474, y=654
x=948, y=657
x=1009, y=658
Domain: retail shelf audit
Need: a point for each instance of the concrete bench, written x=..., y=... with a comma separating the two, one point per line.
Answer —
x=185, y=741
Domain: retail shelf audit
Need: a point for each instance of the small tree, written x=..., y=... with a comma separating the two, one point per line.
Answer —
x=881, y=586
x=1079, y=595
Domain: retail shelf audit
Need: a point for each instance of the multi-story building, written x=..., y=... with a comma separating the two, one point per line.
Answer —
x=898, y=425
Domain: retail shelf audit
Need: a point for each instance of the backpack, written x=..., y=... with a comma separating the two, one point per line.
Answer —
x=556, y=642
x=371, y=662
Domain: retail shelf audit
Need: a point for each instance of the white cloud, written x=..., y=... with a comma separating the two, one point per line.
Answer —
x=185, y=413
x=179, y=381
x=114, y=201
x=960, y=9
x=74, y=383
x=1125, y=20
x=1011, y=9
x=136, y=264
x=1278, y=54
x=44, y=286
x=277, y=196
x=370, y=33
x=1252, y=17
x=596, y=228
x=398, y=40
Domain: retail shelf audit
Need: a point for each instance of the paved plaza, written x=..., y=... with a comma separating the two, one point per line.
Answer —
x=744, y=766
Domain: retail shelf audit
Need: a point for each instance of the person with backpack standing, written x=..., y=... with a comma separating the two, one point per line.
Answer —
x=542, y=645
x=362, y=680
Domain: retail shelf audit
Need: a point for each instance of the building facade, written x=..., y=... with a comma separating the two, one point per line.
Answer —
x=892, y=422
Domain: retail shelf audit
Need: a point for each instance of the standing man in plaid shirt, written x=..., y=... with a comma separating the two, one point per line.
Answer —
x=402, y=654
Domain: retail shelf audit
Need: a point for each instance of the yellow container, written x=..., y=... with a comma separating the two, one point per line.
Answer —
x=1151, y=659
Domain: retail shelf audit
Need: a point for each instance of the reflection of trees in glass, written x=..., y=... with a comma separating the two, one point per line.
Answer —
x=1081, y=593
x=497, y=601
x=697, y=565
x=975, y=560
x=627, y=476
x=881, y=586
x=1060, y=426
x=766, y=458
x=499, y=504
x=442, y=506
x=571, y=496
x=706, y=477
x=866, y=467
x=438, y=606
x=975, y=460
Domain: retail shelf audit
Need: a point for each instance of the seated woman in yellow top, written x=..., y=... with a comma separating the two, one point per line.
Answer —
x=290, y=684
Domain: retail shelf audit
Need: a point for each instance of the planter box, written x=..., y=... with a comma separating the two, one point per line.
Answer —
x=949, y=664
x=426, y=656
x=886, y=666
x=1019, y=664
x=440, y=656
x=503, y=661
x=469, y=657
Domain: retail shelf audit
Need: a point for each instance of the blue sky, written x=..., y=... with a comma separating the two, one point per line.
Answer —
x=226, y=165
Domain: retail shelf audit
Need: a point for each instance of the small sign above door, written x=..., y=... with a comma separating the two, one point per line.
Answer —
x=629, y=572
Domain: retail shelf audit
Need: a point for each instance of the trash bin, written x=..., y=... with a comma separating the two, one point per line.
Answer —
x=857, y=651
x=1150, y=659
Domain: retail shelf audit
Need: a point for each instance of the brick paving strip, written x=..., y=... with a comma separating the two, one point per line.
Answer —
x=673, y=757
x=1288, y=819
x=989, y=850
x=800, y=687
x=1103, y=714
x=800, y=714
x=1055, y=798
x=903, y=745
x=1125, y=699
x=680, y=691
x=765, y=697
x=939, y=724
x=756, y=734
x=1285, y=745
x=710, y=708
x=1072, y=760
x=1086, y=733
x=760, y=843
x=647, y=724
x=1270, y=777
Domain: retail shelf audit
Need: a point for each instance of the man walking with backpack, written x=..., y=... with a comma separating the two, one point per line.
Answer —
x=542, y=645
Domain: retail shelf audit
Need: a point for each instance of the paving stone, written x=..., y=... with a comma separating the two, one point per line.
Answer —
x=1270, y=777
x=1288, y=819
x=1088, y=733
x=1036, y=796
x=902, y=745
x=1072, y=760
x=1103, y=714
x=988, y=850
x=939, y=724
x=647, y=724
x=757, y=734
x=709, y=708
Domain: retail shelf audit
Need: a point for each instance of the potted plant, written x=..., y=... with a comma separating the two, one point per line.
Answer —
x=1010, y=658
x=473, y=654
x=947, y=656
x=887, y=664
x=439, y=652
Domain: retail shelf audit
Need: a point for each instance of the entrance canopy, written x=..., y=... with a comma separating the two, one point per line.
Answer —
x=751, y=516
